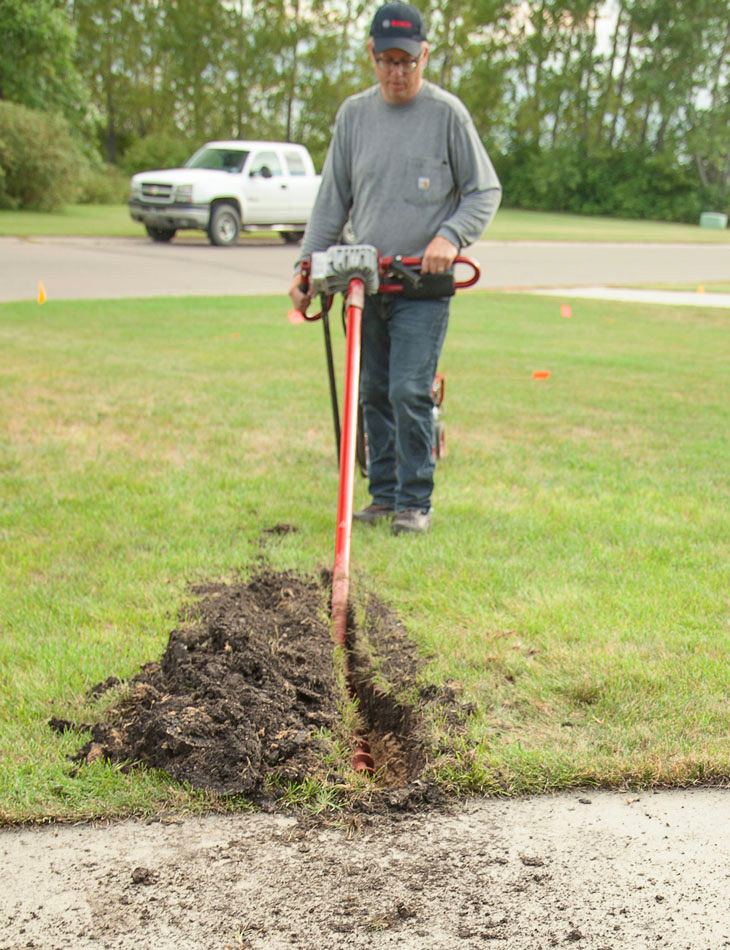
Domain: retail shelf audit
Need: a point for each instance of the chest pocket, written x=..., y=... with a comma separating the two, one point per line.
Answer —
x=428, y=181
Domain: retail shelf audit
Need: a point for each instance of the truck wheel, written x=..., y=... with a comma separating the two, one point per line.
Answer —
x=224, y=226
x=160, y=234
x=292, y=237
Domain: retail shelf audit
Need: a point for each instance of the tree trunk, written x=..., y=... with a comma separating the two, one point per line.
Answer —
x=291, y=91
x=621, y=86
x=701, y=169
x=111, y=130
x=239, y=97
x=606, y=98
x=588, y=73
x=111, y=133
x=645, y=124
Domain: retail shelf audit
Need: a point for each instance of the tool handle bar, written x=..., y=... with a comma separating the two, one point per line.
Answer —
x=397, y=288
x=296, y=316
x=341, y=572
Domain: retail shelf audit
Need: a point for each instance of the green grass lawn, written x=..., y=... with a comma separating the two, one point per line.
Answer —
x=574, y=586
x=72, y=221
x=509, y=225
x=516, y=225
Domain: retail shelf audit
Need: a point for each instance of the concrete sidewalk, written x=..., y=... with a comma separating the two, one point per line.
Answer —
x=674, y=298
x=597, y=870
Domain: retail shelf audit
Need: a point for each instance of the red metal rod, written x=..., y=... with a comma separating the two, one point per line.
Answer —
x=341, y=576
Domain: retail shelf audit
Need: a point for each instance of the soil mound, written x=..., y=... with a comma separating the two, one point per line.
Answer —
x=247, y=691
x=241, y=691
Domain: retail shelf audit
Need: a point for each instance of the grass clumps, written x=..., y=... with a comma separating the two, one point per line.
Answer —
x=572, y=590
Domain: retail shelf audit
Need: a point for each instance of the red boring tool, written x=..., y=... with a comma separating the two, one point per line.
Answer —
x=355, y=270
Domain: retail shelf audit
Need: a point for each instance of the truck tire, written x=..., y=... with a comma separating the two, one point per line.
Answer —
x=224, y=226
x=292, y=237
x=163, y=235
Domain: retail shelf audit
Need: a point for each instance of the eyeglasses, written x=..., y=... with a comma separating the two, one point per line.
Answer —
x=390, y=65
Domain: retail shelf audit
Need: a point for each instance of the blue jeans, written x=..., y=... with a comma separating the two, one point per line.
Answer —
x=401, y=345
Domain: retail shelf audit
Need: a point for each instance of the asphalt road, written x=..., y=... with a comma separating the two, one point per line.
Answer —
x=71, y=268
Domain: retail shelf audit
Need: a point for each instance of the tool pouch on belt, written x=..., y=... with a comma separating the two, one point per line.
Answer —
x=430, y=286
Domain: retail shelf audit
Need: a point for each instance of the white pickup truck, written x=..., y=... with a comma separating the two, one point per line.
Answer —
x=228, y=186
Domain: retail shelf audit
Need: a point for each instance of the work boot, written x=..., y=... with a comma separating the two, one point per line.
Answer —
x=411, y=521
x=373, y=513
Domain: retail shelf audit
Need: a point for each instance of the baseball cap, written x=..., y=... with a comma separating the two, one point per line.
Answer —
x=398, y=26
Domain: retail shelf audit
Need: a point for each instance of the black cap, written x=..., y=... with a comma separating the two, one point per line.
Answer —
x=398, y=26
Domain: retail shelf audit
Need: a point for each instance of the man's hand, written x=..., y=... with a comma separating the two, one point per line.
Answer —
x=300, y=298
x=438, y=256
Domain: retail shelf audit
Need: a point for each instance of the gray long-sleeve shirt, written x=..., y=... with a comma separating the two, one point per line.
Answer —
x=402, y=174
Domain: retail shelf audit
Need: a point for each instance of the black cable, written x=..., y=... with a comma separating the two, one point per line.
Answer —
x=331, y=371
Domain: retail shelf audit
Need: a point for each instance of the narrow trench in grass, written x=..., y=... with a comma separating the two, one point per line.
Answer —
x=393, y=730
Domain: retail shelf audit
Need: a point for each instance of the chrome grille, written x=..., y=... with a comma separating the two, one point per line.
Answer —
x=160, y=194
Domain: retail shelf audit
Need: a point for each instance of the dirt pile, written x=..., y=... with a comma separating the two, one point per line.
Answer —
x=247, y=691
x=241, y=691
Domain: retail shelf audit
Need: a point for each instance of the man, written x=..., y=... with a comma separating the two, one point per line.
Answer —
x=408, y=172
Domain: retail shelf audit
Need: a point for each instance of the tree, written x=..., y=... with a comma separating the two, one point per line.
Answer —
x=581, y=122
x=37, y=58
x=473, y=55
x=40, y=160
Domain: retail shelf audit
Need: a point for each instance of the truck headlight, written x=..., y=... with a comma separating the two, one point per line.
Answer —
x=135, y=189
x=184, y=194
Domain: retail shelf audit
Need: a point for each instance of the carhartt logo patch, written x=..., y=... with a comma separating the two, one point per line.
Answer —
x=424, y=184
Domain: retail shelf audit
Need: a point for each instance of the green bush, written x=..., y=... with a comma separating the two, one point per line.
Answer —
x=40, y=163
x=627, y=184
x=106, y=185
x=656, y=186
x=159, y=150
x=715, y=197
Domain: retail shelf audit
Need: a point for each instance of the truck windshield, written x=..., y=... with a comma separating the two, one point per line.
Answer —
x=219, y=159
